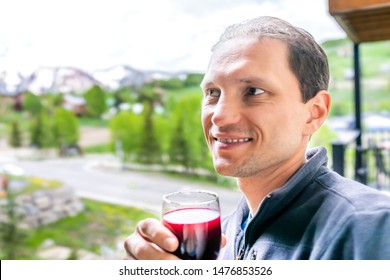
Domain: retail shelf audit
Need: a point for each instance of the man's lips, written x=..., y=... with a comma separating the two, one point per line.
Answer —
x=232, y=140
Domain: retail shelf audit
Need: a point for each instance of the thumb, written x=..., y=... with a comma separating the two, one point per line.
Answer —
x=223, y=240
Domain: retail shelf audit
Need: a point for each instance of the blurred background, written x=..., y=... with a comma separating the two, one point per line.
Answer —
x=100, y=112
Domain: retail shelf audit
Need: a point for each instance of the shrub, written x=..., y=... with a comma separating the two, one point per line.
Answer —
x=95, y=99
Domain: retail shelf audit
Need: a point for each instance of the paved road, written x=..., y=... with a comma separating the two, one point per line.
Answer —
x=90, y=180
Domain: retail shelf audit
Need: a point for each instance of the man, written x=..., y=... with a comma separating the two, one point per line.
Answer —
x=265, y=94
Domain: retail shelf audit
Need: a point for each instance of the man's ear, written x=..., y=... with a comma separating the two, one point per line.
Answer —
x=318, y=108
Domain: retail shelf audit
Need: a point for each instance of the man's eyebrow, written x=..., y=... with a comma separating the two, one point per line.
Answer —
x=246, y=80
x=206, y=83
x=251, y=80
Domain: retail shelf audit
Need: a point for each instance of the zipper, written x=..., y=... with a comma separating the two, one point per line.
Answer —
x=241, y=251
x=240, y=255
x=254, y=255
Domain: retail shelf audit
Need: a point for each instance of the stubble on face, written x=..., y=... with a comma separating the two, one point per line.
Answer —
x=271, y=120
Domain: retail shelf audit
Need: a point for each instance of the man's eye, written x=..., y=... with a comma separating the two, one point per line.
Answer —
x=255, y=91
x=213, y=92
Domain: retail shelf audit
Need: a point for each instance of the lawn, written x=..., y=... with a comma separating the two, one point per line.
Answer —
x=99, y=226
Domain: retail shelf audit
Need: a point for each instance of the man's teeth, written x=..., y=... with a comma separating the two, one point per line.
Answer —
x=233, y=140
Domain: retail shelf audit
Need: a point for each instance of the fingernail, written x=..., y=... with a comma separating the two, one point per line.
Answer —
x=170, y=244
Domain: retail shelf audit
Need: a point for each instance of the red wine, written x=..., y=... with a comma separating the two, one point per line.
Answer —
x=198, y=231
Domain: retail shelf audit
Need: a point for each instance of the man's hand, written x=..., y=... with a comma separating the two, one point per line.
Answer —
x=151, y=241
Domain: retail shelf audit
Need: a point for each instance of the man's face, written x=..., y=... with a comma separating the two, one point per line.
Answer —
x=253, y=116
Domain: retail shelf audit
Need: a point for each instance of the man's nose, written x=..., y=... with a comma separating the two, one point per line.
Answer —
x=226, y=112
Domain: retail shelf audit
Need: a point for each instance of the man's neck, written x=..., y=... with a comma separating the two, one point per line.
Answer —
x=257, y=187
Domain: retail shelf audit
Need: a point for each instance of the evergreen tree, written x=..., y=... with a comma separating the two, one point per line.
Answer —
x=15, y=136
x=187, y=143
x=150, y=151
x=37, y=137
x=179, y=150
x=41, y=131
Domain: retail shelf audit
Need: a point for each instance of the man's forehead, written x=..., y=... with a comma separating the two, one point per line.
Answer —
x=243, y=42
x=241, y=51
x=237, y=48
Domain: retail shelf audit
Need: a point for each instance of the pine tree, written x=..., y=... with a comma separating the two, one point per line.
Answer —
x=15, y=136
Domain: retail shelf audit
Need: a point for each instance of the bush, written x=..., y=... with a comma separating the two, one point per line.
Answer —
x=95, y=99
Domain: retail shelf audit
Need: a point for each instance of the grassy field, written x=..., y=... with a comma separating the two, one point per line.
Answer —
x=375, y=76
x=99, y=226
x=374, y=57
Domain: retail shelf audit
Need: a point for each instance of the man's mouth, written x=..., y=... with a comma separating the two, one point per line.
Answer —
x=233, y=140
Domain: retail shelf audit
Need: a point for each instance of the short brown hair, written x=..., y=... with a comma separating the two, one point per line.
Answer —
x=307, y=59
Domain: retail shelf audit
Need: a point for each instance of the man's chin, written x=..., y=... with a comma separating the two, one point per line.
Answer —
x=225, y=170
x=234, y=170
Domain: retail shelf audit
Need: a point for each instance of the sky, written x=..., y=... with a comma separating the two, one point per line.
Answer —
x=168, y=35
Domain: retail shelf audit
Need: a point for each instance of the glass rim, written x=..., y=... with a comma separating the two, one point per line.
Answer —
x=213, y=197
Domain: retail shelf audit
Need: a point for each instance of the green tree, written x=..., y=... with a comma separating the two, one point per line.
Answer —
x=150, y=150
x=41, y=134
x=173, y=83
x=188, y=146
x=126, y=129
x=95, y=99
x=65, y=127
x=52, y=101
x=15, y=139
x=179, y=151
x=124, y=95
x=193, y=79
x=32, y=104
x=162, y=133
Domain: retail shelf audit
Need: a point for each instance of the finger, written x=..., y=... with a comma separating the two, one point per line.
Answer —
x=223, y=240
x=128, y=257
x=153, y=230
x=137, y=248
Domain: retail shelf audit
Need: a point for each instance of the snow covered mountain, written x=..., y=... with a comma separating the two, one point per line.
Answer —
x=73, y=80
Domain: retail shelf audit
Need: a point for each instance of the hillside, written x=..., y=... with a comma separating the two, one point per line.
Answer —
x=375, y=75
x=375, y=59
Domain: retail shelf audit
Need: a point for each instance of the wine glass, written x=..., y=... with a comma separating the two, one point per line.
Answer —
x=194, y=217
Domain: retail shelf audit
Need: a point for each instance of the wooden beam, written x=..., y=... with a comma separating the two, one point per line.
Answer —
x=364, y=25
x=347, y=28
x=345, y=6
